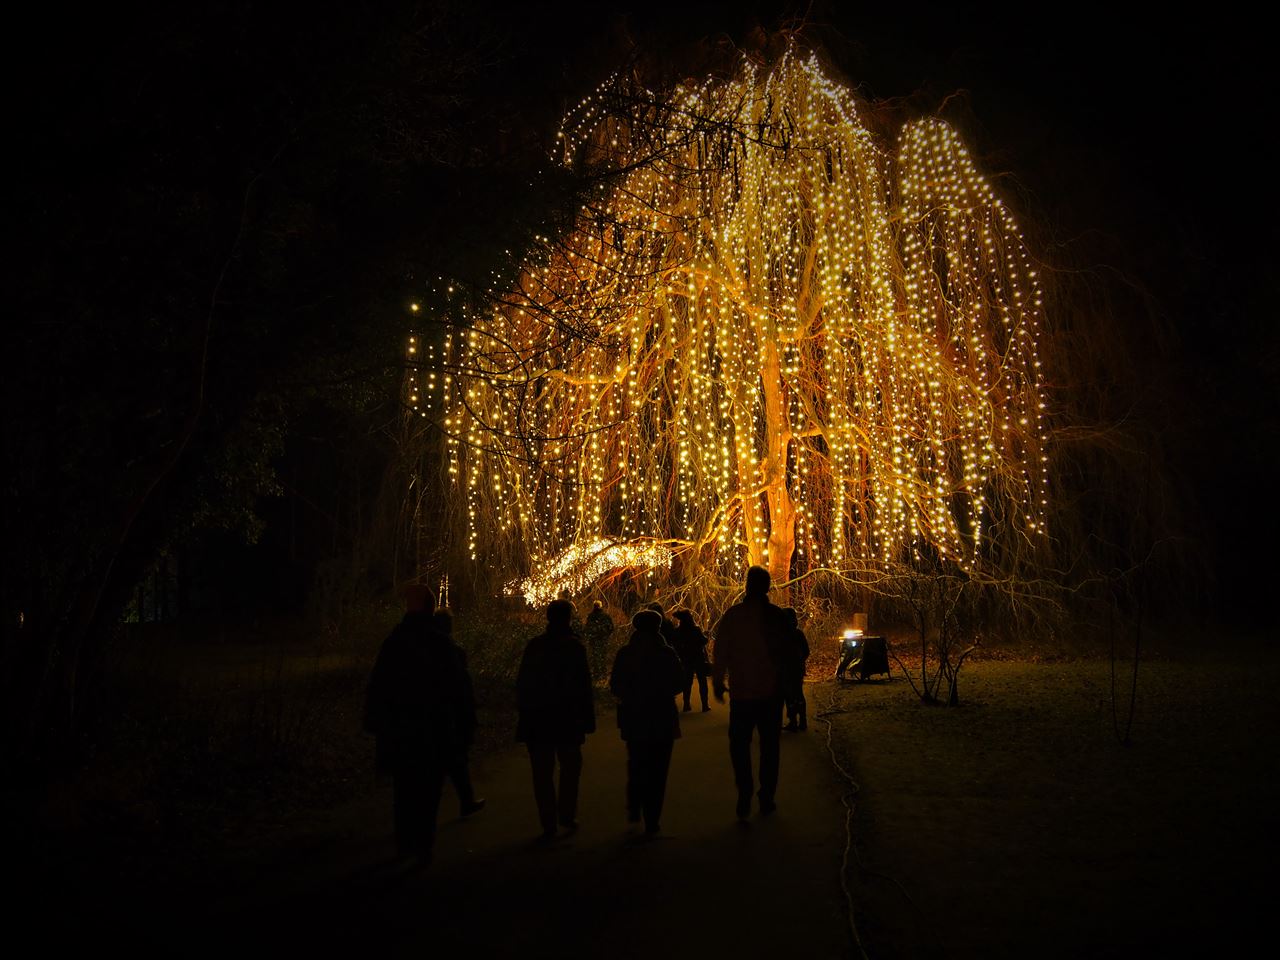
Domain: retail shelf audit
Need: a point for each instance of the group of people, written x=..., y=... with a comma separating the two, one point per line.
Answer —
x=757, y=659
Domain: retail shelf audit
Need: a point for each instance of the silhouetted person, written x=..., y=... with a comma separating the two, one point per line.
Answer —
x=691, y=645
x=646, y=678
x=575, y=620
x=795, y=652
x=420, y=706
x=666, y=628
x=599, y=632
x=459, y=769
x=748, y=639
x=557, y=712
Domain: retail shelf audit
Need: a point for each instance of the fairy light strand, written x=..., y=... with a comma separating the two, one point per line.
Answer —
x=768, y=338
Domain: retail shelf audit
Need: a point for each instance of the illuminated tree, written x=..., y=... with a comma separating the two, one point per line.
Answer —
x=767, y=338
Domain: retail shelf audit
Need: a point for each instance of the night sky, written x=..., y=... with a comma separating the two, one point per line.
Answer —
x=1130, y=148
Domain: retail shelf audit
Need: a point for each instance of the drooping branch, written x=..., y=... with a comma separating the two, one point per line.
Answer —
x=767, y=334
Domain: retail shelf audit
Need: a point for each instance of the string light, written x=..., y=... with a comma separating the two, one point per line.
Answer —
x=767, y=339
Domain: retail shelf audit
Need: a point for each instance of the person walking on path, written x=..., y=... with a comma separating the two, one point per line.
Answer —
x=420, y=707
x=691, y=645
x=748, y=640
x=556, y=712
x=459, y=768
x=646, y=677
x=599, y=632
x=795, y=653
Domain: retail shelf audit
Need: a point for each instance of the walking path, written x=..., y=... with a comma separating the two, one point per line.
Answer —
x=709, y=885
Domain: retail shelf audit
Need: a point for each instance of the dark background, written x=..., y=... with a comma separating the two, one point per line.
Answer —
x=222, y=210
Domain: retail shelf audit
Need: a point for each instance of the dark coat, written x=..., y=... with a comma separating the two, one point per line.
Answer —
x=420, y=702
x=795, y=651
x=691, y=645
x=599, y=628
x=553, y=691
x=646, y=677
x=749, y=640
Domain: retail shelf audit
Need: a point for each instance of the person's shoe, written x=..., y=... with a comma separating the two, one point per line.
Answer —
x=475, y=806
x=791, y=726
x=687, y=708
x=633, y=815
x=652, y=829
x=705, y=708
x=804, y=725
x=767, y=807
x=570, y=825
x=744, y=807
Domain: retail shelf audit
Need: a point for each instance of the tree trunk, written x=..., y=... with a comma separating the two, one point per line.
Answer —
x=782, y=513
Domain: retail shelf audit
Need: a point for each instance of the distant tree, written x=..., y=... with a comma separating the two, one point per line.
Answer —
x=217, y=206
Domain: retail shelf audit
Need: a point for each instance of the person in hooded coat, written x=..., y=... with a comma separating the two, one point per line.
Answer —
x=646, y=677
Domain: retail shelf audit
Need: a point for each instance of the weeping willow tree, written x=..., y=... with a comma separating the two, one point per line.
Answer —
x=768, y=337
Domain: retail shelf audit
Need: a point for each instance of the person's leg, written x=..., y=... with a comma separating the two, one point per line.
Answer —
x=640, y=752
x=702, y=689
x=433, y=788
x=542, y=760
x=740, y=727
x=659, y=765
x=459, y=772
x=406, y=791
x=769, y=722
x=570, y=755
x=635, y=777
x=804, y=708
x=416, y=799
x=688, y=686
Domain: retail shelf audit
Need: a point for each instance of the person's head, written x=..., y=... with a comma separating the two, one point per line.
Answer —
x=597, y=606
x=789, y=617
x=685, y=617
x=758, y=582
x=647, y=621
x=442, y=621
x=559, y=614
x=656, y=607
x=419, y=598
x=565, y=594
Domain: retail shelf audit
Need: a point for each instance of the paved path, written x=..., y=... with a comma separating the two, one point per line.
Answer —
x=708, y=886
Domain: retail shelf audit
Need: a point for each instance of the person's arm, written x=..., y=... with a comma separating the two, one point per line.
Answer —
x=719, y=660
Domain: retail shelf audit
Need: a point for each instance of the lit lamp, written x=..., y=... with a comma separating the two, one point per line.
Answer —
x=860, y=653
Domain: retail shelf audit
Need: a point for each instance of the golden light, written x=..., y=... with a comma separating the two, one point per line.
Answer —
x=769, y=338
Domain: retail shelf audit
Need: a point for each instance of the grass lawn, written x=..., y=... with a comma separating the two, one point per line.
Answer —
x=1018, y=824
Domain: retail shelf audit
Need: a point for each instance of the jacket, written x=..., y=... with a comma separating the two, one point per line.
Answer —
x=646, y=677
x=553, y=691
x=748, y=640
